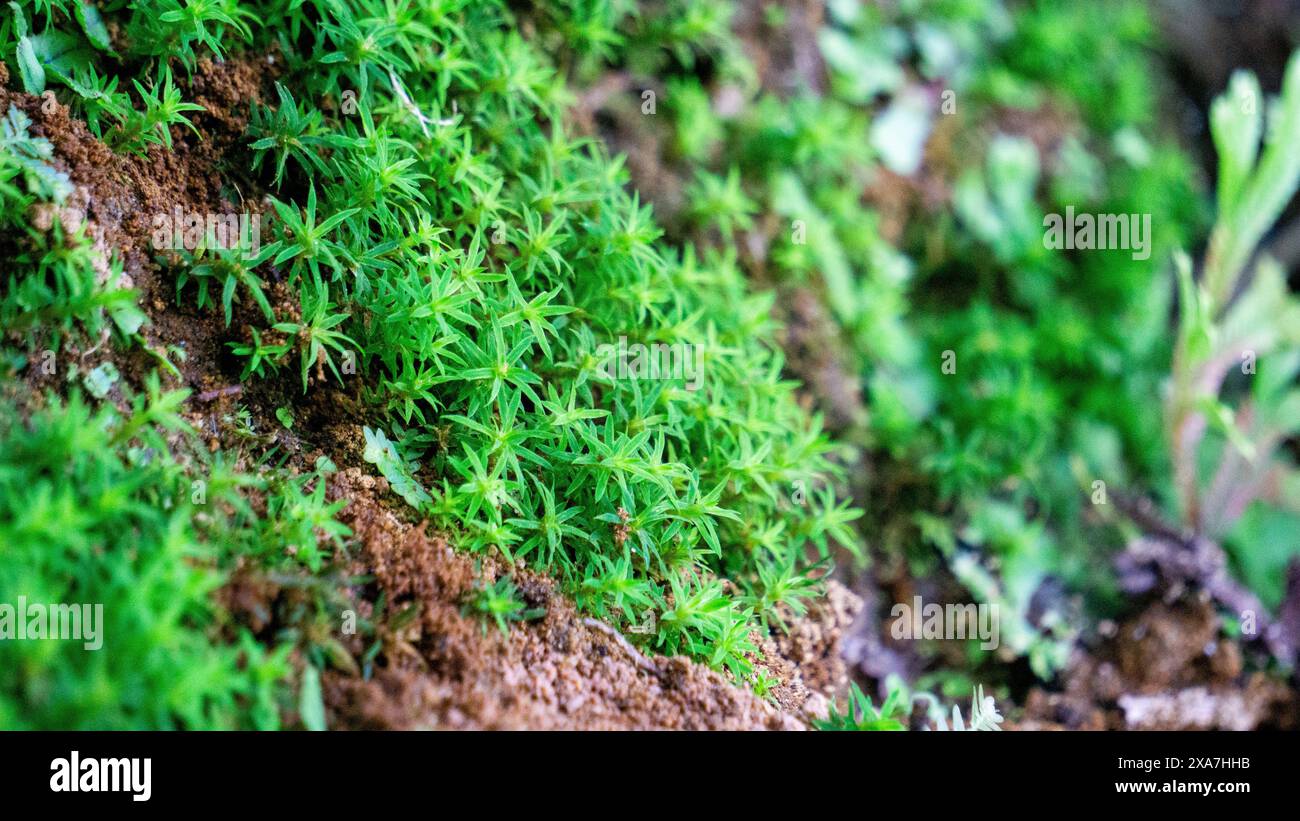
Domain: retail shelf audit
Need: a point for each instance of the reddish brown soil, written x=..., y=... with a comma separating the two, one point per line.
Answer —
x=117, y=197
x=808, y=659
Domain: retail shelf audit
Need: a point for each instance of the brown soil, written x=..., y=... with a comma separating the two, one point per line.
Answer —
x=808, y=658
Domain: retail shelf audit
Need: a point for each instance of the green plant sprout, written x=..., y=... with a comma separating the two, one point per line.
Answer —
x=861, y=715
x=500, y=603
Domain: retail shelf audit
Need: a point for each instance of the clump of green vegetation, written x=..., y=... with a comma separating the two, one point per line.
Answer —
x=94, y=510
x=1240, y=318
x=491, y=326
x=500, y=603
x=861, y=715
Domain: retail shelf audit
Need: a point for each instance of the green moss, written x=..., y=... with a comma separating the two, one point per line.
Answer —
x=480, y=275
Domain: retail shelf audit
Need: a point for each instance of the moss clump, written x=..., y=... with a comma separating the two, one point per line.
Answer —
x=546, y=368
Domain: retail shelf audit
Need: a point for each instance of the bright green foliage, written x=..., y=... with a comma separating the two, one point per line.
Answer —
x=861, y=715
x=290, y=134
x=301, y=520
x=383, y=454
x=29, y=157
x=467, y=266
x=315, y=334
x=229, y=271
x=163, y=108
x=487, y=330
x=94, y=511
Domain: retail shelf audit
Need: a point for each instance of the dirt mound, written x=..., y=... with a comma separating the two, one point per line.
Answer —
x=563, y=671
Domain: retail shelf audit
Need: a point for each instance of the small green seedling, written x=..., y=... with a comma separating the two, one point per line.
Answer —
x=500, y=602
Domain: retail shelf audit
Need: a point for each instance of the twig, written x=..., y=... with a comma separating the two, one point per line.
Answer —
x=1148, y=517
x=217, y=393
x=641, y=661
